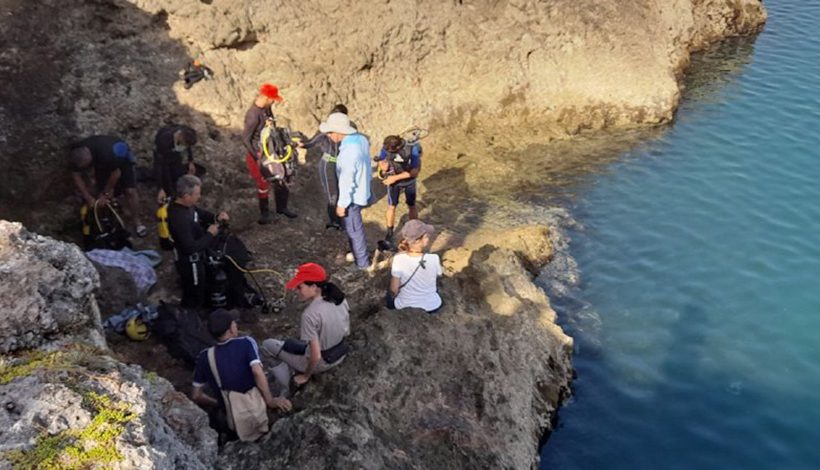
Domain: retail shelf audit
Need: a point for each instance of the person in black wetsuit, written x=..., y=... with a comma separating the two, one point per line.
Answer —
x=327, y=169
x=255, y=119
x=108, y=162
x=173, y=143
x=193, y=231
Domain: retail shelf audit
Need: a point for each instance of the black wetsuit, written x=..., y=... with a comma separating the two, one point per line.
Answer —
x=327, y=173
x=168, y=164
x=188, y=227
x=104, y=162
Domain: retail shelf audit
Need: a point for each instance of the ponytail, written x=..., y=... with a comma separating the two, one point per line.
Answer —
x=330, y=292
x=404, y=245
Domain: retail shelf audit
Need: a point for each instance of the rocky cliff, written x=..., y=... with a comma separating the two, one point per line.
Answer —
x=473, y=387
x=66, y=402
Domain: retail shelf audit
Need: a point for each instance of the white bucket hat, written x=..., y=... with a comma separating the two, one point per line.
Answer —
x=337, y=122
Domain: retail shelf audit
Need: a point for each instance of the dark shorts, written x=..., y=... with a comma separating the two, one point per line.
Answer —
x=394, y=190
x=128, y=179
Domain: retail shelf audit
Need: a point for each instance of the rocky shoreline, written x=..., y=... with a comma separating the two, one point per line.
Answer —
x=473, y=387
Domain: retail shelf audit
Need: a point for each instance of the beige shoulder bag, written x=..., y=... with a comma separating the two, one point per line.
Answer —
x=247, y=412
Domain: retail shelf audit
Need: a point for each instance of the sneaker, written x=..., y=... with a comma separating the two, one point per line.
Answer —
x=142, y=231
x=349, y=257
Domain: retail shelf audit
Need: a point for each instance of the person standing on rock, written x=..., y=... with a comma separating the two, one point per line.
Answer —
x=256, y=118
x=172, y=143
x=400, y=164
x=112, y=164
x=354, y=174
x=325, y=325
x=233, y=371
x=327, y=169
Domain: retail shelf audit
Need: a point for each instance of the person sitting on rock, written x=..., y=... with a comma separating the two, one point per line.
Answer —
x=325, y=325
x=112, y=164
x=233, y=371
x=172, y=143
x=193, y=231
x=414, y=272
x=399, y=165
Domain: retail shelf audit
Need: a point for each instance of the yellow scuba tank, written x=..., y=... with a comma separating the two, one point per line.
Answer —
x=163, y=231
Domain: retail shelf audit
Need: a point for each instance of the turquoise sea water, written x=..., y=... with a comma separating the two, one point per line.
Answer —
x=697, y=314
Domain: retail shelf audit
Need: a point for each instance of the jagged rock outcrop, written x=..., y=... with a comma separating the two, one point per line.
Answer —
x=45, y=290
x=65, y=402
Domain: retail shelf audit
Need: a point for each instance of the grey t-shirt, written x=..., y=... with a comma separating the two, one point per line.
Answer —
x=325, y=321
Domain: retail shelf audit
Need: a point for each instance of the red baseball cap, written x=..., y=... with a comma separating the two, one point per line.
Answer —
x=270, y=91
x=311, y=272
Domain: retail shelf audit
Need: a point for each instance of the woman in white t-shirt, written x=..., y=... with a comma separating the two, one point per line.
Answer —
x=414, y=272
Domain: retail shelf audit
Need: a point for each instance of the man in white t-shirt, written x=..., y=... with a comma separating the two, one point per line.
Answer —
x=415, y=272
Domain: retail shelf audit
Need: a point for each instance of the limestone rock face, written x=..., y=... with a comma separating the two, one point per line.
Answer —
x=571, y=64
x=73, y=394
x=45, y=289
x=61, y=396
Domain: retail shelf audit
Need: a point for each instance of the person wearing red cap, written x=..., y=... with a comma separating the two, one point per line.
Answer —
x=325, y=325
x=255, y=119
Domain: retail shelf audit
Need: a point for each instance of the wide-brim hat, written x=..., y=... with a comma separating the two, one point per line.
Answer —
x=308, y=272
x=339, y=123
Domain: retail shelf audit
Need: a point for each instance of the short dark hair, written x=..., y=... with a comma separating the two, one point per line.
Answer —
x=188, y=135
x=339, y=108
x=80, y=157
x=393, y=143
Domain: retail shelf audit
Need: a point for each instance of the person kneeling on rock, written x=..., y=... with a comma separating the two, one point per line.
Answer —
x=324, y=327
x=414, y=272
x=234, y=371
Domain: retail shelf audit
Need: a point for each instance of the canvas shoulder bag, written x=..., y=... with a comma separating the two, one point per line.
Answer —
x=247, y=412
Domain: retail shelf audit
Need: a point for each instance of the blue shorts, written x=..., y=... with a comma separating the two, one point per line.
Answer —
x=394, y=190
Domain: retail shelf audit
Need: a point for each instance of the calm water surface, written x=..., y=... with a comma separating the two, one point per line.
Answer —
x=697, y=316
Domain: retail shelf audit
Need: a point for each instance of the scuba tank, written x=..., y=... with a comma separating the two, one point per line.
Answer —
x=165, y=241
x=103, y=228
x=277, y=145
x=216, y=270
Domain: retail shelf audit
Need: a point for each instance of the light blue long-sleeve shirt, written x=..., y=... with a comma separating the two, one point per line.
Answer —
x=353, y=171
